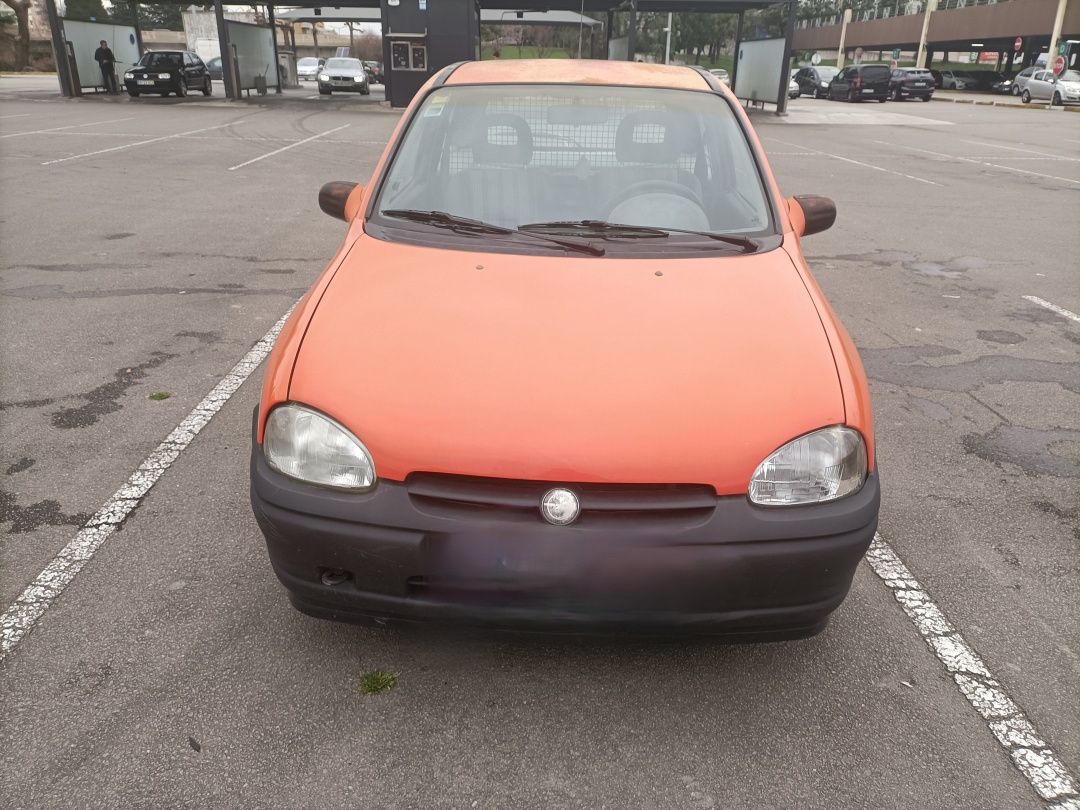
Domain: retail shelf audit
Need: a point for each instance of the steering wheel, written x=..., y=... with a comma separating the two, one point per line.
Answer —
x=653, y=187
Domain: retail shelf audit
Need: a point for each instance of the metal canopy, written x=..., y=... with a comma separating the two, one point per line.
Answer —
x=488, y=16
x=704, y=6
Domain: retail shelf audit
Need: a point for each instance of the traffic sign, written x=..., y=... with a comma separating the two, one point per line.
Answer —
x=1063, y=47
x=1059, y=65
x=895, y=54
x=815, y=59
x=1019, y=44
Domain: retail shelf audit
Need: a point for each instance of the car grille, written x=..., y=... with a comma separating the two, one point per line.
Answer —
x=462, y=496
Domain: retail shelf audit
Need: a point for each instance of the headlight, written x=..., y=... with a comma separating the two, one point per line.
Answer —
x=164, y=76
x=820, y=466
x=304, y=444
x=323, y=77
x=357, y=78
x=129, y=75
x=824, y=85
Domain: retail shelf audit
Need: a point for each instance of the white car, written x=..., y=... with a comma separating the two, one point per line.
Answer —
x=308, y=68
x=1058, y=90
x=722, y=75
x=1021, y=79
x=951, y=81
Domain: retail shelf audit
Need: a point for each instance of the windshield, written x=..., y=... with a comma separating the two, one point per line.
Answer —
x=161, y=59
x=347, y=64
x=308, y=61
x=1070, y=76
x=512, y=156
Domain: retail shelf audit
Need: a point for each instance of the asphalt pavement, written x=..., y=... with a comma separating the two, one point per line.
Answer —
x=147, y=247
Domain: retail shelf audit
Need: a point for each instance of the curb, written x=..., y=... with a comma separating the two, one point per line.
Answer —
x=1035, y=105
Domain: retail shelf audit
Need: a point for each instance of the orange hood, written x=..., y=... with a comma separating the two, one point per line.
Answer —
x=568, y=368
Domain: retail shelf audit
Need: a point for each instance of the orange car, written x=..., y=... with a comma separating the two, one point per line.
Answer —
x=568, y=370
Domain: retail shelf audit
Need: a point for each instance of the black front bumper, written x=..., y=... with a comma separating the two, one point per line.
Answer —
x=738, y=570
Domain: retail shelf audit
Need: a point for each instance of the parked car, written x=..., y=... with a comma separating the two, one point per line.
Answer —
x=1004, y=86
x=464, y=420
x=374, y=72
x=981, y=79
x=308, y=67
x=164, y=72
x=1021, y=79
x=909, y=82
x=861, y=82
x=345, y=75
x=814, y=81
x=793, y=86
x=213, y=66
x=722, y=75
x=1058, y=90
x=952, y=80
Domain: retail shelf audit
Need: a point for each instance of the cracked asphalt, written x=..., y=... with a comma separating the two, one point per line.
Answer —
x=173, y=673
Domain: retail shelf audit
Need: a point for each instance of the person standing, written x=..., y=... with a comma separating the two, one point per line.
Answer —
x=106, y=61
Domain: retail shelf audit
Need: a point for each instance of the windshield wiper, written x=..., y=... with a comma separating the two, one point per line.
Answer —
x=465, y=225
x=613, y=230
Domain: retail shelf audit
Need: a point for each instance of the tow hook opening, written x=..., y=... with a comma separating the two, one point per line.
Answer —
x=334, y=576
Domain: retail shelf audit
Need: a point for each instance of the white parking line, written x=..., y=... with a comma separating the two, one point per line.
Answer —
x=1027, y=749
x=138, y=143
x=1064, y=313
x=71, y=126
x=856, y=162
x=282, y=149
x=21, y=616
x=980, y=162
x=1025, y=150
x=15, y=115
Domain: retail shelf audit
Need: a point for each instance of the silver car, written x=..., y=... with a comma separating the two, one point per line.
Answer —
x=1058, y=90
x=722, y=75
x=308, y=68
x=344, y=75
x=1021, y=79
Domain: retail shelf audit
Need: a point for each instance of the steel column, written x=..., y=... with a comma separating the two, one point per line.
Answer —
x=228, y=66
x=273, y=33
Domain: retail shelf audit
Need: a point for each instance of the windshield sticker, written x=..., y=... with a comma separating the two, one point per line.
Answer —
x=435, y=106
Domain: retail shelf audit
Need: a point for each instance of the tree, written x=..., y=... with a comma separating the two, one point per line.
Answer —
x=159, y=15
x=85, y=10
x=22, y=44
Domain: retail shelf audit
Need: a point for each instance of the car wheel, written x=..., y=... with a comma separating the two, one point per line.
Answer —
x=133, y=93
x=181, y=88
x=208, y=88
x=926, y=98
x=1016, y=90
x=882, y=100
x=324, y=91
x=1056, y=101
x=1025, y=97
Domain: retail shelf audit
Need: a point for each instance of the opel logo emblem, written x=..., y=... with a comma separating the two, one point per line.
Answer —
x=560, y=507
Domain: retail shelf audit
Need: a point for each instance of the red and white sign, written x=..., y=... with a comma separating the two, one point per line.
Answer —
x=1059, y=65
x=1019, y=44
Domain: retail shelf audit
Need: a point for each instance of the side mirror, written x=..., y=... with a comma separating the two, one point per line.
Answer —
x=334, y=198
x=811, y=214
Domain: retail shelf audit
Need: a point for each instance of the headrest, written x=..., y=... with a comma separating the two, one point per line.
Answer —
x=652, y=137
x=502, y=139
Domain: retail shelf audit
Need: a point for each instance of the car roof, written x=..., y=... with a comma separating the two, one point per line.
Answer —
x=577, y=71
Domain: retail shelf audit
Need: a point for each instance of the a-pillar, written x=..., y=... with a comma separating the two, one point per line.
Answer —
x=920, y=58
x=843, y=36
x=60, y=54
x=273, y=33
x=228, y=64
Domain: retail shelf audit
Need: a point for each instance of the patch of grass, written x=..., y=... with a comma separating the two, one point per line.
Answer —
x=376, y=681
x=159, y=395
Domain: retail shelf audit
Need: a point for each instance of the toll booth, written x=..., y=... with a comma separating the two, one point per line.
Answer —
x=420, y=39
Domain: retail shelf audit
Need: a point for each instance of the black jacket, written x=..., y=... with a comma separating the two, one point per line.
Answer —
x=104, y=56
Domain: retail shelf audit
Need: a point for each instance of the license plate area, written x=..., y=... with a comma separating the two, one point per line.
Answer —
x=145, y=81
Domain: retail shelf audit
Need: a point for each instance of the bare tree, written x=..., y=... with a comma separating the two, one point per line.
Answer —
x=22, y=44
